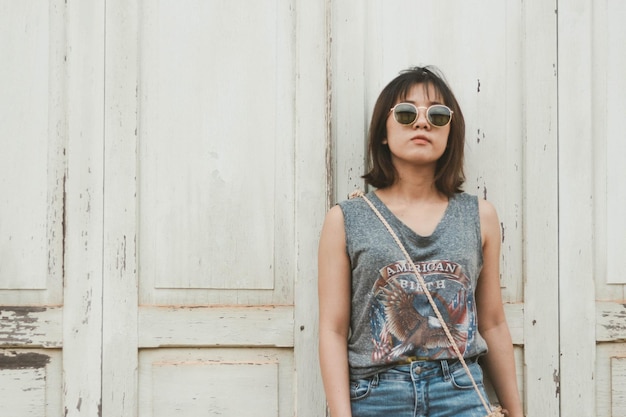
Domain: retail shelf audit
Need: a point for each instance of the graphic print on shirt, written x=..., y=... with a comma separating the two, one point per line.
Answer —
x=404, y=324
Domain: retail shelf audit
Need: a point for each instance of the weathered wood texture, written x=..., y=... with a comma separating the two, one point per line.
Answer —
x=540, y=207
x=30, y=382
x=83, y=239
x=165, y=168
x=31, y=327
x=32, y=152
x=120, y=285
x=194, y=382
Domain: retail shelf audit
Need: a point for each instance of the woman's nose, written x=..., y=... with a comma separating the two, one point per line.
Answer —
x=421, y=120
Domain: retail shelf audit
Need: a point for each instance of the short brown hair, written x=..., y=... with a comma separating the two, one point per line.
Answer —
x=449, y=174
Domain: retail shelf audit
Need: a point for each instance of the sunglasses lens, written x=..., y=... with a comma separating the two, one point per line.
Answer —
x=405, y=114
x=439, y=115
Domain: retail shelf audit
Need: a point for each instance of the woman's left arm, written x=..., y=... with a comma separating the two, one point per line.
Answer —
x=499, y=363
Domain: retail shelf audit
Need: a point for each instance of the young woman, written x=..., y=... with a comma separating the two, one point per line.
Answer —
x=382, y=350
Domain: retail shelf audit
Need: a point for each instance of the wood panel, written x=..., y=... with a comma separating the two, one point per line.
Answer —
x=540, y=210
x=615, y=39
x=213, y=326
x=120, y=285
x=31, y=327
x=194, y=382
x=216, y=145
x=607, y=169
x=610, y=379
x=30, y=382
x=32, y=152
x=210, y=176
x=83, y=226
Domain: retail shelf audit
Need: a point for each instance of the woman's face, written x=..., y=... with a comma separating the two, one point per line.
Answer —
x=418, y=143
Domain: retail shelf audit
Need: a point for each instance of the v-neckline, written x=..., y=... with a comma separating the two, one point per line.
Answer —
x=395, y=219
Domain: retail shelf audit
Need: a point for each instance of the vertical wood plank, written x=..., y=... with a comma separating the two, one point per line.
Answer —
x=615, y=68
x=82, y=318
x=576, y=279
x=120, y=287
x=349, y=119
x=541, y=325
x=311, y=192
x=618, y=386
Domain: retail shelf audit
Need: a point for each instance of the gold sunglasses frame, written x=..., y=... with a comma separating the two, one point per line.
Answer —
x=417, y=112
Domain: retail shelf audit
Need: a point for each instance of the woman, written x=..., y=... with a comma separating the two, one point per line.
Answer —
x=382, y=351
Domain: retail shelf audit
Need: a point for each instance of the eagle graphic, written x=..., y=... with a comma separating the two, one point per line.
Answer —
x=412, y=329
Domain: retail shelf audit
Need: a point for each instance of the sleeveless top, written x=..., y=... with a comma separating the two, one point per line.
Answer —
x=391, y=319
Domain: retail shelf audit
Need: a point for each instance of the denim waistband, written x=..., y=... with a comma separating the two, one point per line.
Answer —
x=424, y=369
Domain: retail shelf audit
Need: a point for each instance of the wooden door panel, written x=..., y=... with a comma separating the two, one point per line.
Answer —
x=32, y=153
x=31, y=382
x=32, y=206
x=205, y=158
x=609, y=227
x=591, y=68
x=230, y=382
x=215, y=155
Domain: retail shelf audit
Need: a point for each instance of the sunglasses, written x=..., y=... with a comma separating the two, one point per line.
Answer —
x=437, y=115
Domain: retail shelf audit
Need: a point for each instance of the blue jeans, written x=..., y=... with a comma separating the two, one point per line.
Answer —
x=420, y=389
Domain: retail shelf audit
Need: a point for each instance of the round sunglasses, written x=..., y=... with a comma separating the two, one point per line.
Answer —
x=437, y=115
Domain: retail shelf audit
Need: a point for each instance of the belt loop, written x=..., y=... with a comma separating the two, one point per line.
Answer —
x=375, y=380
x=446, y=370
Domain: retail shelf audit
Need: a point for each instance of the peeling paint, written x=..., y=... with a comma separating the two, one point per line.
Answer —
x=17, y=324
x=557, y=382
x=30, y=360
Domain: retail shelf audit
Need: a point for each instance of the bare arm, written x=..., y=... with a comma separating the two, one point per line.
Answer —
x=334, y=289
x=499, y=363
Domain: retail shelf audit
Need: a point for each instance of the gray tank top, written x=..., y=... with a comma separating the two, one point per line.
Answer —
x=391, y=319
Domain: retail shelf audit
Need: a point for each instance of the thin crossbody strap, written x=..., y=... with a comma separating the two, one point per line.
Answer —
x=485, y=403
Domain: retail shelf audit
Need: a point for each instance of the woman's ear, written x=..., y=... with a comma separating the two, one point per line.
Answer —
x=384, y=142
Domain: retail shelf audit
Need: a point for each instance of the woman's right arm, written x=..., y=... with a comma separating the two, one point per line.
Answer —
x=334, y=289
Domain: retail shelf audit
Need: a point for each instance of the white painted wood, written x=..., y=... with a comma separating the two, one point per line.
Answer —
x=30, y=382
x=618, y=386
x=226, y=185
x=607, y=101
x=311, y=128
x=540, y=210
x=615, y=138
x=24, y=143
x=349, y=117
x=120, y=281
x=31, y=327
x=606, y=95
x=216, y=326
x=577, y=308
x=604, y=374
x=216, y=176
x=82, y=314
x=610, y=321
x=193, y=389
x=31, y=152
x=167, y=376
x=216, y=146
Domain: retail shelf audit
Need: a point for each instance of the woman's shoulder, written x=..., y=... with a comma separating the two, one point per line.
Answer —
x=485, y=208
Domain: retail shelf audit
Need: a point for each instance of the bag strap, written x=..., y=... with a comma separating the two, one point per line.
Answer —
x=490, y=411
